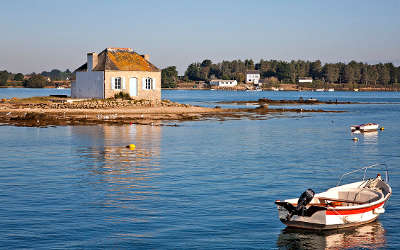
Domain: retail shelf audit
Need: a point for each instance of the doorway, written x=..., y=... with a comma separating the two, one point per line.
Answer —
x=133, y=86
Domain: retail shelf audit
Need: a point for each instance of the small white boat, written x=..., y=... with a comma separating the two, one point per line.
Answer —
x=343, y=206
x=331, y=90
x=366, y=127
x=60, y=87
x=320, y=90
x=253, y=90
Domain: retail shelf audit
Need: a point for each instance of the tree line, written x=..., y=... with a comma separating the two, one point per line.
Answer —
x=35, y=80
x=354, y=73
x=6, y=76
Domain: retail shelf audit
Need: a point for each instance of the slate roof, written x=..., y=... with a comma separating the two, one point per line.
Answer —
x=123, y=59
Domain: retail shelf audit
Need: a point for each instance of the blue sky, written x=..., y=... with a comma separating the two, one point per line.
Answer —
x=43, y=35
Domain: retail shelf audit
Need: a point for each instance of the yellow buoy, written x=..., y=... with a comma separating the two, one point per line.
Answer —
x=382, y=128
x=355, y=139
x=131, y=146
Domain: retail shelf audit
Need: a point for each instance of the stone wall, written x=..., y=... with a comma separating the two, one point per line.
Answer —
x=99, y=104
x=153, y=94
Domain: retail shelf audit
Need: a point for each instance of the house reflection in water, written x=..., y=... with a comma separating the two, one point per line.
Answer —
x=371, y=235
x=125, y=174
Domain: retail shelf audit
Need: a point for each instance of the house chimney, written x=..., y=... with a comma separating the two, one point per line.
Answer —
x=92, y=60
x=146, y=57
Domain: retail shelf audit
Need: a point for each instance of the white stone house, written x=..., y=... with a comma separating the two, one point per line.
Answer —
x=117, y=70
x=253, y=76
x=223, y=83
x=305, y=80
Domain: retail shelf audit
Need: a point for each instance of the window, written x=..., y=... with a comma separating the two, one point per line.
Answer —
x=117, y=83
x=148, y=83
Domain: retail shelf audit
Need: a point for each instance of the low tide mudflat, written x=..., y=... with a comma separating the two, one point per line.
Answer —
x=53, y=111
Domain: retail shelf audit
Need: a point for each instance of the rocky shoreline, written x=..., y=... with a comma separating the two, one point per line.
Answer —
x=47, y=111
x=294, y=102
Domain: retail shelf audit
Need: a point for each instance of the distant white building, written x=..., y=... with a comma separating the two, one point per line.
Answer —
x=223, y=83
x=253, y=76
x=305, y=80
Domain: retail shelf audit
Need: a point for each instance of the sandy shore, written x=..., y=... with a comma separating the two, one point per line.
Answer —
x=40, y=112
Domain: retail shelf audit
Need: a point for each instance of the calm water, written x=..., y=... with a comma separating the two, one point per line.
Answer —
x=206, y=184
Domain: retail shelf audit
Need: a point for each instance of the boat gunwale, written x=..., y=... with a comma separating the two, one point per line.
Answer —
x=366, y=205
x=343, y=208
x=383, y=199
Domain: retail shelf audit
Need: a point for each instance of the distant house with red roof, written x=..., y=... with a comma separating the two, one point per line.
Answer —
x=117, y=70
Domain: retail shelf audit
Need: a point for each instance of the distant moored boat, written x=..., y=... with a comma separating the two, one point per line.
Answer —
x=365, y=127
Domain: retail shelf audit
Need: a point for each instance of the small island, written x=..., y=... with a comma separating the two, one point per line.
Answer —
x=61, y=111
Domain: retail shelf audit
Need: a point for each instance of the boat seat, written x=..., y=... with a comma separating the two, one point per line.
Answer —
x=324, y=199
x=359, y=195
x=356, y=196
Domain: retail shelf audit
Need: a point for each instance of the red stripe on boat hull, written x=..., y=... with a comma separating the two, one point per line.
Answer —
x=353, y=211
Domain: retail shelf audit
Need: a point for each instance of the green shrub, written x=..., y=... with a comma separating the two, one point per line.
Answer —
x=122, y=95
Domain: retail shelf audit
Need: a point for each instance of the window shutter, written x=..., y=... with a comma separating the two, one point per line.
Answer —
x=123, y=83
x=153, y=83
x=143, y=83
x=112, y=82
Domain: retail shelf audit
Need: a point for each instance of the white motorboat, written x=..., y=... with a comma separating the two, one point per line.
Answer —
x=365, y=127
x=343, y=206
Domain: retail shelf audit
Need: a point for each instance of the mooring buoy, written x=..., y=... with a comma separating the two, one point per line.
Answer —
x=131, y=146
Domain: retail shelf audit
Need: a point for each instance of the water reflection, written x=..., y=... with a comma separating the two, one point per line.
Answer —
x=371, y=137
x=371, y=235
x=125, y=174
x=367, y=142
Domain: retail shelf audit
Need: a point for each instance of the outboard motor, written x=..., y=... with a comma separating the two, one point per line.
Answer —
x=304, y=199
x=301, y=208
